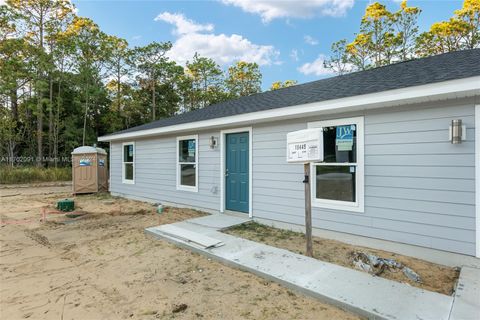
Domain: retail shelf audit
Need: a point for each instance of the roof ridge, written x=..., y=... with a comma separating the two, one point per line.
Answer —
x=438, y=68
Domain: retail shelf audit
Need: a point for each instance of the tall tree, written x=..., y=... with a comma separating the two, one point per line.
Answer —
x=359, y=53
x=149, y=61
x=377, y=23
x=469, y=16
x=405, y=21
x=285, y=84
x=462, y=31
x=92, y=49
x=340, y=61
x=37, y=20
x=244, y=79
x=206, y=80
x=119, y=71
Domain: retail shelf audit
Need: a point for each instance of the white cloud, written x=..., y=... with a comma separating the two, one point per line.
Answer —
x=310, y=40
x=273, y=9
x=315, y=67
x=294, y=54
x=224, y=49
x=182, y=24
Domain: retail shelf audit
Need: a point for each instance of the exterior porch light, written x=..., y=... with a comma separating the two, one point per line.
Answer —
x=213, y=142
x=457, y=131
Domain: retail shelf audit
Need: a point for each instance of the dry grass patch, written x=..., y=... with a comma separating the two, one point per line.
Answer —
x=434, y=277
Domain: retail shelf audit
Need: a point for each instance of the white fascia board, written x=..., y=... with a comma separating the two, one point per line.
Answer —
x=429, y=92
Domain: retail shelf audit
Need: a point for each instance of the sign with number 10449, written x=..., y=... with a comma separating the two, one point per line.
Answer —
x=305, y=145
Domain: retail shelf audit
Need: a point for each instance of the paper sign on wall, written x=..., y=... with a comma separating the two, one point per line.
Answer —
x=191, y=148
x=344, y=137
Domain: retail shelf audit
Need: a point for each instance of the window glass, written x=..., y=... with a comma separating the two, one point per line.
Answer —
x=128, y=153
x=128, y=166
x=335, y=182
x=186, y=150
x=340, y=144
x=128, y=171
x=187, y=175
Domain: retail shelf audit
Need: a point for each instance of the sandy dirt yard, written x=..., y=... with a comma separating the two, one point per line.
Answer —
x=103, y=266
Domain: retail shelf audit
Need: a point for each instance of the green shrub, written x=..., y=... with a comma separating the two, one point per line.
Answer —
x=9, y=175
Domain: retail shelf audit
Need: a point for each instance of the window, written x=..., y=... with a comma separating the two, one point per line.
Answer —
x=187, y=166
x=337, y=182
x=128, y=165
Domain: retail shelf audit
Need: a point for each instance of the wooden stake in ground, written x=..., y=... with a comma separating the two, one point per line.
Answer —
x=308, y=210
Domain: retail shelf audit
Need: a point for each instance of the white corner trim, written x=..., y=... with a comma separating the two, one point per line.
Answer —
x=110, y=166
x=126, y=181
x=359, y=205
x=477, y=179
x=179, y=186
x=222, y=167
x=391, y=98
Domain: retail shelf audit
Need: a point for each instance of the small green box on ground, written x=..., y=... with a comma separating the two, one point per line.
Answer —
x=66, y=205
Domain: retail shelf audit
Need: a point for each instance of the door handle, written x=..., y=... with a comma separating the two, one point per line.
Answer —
x=226, y=173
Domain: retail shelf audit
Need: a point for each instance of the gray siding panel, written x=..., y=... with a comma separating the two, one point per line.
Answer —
x=155, y=173
x=419, y=188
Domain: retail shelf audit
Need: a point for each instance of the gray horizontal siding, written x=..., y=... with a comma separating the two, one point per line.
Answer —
x=155, y=173
x=419, y=188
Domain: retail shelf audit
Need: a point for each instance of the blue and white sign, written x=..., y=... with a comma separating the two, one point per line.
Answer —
x=344, y=137
x=191, y=148
x=85, y=162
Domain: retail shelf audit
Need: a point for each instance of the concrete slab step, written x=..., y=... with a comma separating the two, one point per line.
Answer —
x=466, y=304
x=362, y=293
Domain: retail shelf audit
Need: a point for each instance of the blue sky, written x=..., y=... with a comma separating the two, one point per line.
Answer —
x=285, y=37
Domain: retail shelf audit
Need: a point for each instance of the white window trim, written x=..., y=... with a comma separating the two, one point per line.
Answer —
x=179, y=186
x=359, y=205
x=127, y=181
x=223, y=158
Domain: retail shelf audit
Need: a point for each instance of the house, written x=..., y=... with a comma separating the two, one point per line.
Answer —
x=399, y=183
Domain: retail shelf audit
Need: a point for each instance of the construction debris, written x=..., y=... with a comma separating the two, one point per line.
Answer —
x=412, y=275
x=376, y=265
x=179, y=307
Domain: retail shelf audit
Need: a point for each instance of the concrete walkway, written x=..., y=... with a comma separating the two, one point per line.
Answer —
x=359, y=292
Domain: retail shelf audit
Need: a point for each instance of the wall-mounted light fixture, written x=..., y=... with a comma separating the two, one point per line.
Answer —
x=457, y=131
x=213, y=142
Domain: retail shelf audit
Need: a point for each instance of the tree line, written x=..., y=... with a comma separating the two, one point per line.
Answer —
x=64, y=82
x=387, y=37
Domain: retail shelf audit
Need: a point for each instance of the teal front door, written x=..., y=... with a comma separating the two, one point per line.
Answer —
x=236, y=172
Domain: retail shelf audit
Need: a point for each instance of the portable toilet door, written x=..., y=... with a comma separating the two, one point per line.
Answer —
x=102, y=173
x=87, y=175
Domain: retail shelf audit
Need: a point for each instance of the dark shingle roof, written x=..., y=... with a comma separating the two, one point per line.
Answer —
x=448, y=66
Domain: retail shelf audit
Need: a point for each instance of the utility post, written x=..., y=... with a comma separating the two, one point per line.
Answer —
x=308, y=210
x=306, y=146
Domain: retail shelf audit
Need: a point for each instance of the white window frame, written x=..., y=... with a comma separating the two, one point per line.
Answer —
x=178, y=163
x=124, y=180
x=359, y=204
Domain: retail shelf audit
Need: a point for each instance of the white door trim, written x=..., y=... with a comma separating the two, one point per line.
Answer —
x=222, y=166
x=477, y=179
